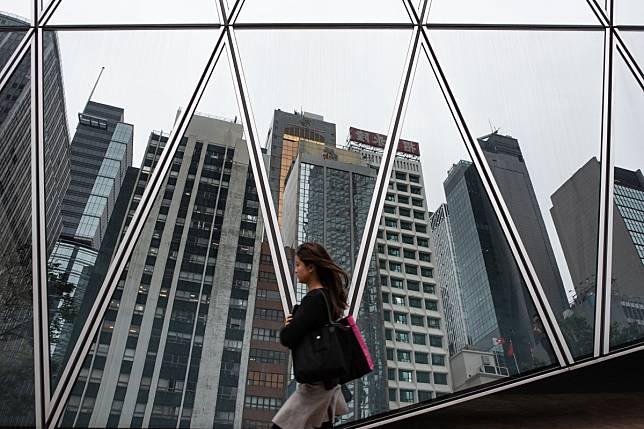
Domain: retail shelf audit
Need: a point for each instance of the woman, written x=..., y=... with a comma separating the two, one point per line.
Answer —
x=314, y=405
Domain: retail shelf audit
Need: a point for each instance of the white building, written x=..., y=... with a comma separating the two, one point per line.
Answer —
x=416, y=344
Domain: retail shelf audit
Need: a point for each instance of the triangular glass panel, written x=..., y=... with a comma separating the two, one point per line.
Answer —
x=119, y=12
x=534, y=111
x=15, y=13
x=634, y=41
x=627, y=284
x=628, y=12
x=99, y=110
x=324, y=118
x=546, y=12
x=199, y=302
x=327, y=12
x=467, y=319
x=16, y=301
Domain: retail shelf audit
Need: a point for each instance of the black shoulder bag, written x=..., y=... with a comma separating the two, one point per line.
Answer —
x=319, y=355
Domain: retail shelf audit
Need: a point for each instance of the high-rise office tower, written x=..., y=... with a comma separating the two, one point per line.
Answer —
x=101, y=152
x=286, y=132
x=175, y=343
x=446, y=271
x=496, y=302
x=16, y=328
x=510, y=172
x=416, y=350
x=575, y=211
x=326, y=200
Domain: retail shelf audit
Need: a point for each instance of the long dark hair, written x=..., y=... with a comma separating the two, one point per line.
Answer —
x=331, y=275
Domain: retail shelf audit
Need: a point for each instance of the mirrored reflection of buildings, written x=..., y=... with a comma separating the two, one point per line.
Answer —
x=575, y=210
x=16, y=330
x=416, y=348
x=511, y=175
x=175, y=343
x=101, y=153
x=326, y=199
x=499, y=315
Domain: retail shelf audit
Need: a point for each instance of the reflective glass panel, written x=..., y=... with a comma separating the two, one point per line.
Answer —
x=627, y=298
x=324, y=114
x=532, y=101
x=135, y=12
x=472, y=322
x=510, y=12
x=628, y=12
x=100, y=109
x=15, y=13
x=16, y=316
x=333, y=11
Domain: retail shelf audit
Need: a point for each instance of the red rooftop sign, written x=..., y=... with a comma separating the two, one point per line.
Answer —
x=378, y=140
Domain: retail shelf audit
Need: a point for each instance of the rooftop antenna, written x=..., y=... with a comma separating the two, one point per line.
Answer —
x=493, y=129
x=91, y=94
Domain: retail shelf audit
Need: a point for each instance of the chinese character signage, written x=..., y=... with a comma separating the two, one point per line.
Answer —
x=378, y=140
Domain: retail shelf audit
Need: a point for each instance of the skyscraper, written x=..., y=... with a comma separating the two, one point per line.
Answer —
x=510, y=172
x=175, y=342
x=575, y=211
x=326, y=199
x=416, y=350
x=496, y=302
x=286, y=132
x=101, y=152
x=16, y=328
x=442, y=245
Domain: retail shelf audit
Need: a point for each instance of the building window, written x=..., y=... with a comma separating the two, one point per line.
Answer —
x=401, y=175
x=438, y=360
x=422, y=377
x=411, y=269
x=393, y=251
x=381, y=248
x=401, y=187
x=390, y=209
x=417, y=320
x=421, y=357
x=397, y=283
x=405, y=225
x=440, y=378
x=265, y=334
x=391, y=223
x=392, y=236
x=390, y=354
x=409, y=254
x=407, y=239
x=435, y=341
x=398, y=300
x=427, y=272
x=405, y=375
x=414, y=179
x=425, y=257
x=395, y=267
x=406, y=395
x=415, y=190
x=402, y=336
x=403, y=356
x=400, y=318
x=390, y=197
x=404, y=212
x=392, y=395
x=415, y=302
x=433, y=322
x=266, y=379
x=385, y=297
x=386, y=315
x=432, y=305
x=421, y=228
x=420, y=339
x=417, y=202
x=388, y=334
x=422, y=242
x=262, y=403
x=391, y=374
x=429, y=288
x=403, y=199
x=413, y=285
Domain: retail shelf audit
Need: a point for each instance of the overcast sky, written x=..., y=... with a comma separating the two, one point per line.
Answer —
x=543, y=88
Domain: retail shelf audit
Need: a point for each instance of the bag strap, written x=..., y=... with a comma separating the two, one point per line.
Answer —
x=328, y=309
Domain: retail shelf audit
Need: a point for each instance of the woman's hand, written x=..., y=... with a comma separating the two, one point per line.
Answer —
x=288, y=319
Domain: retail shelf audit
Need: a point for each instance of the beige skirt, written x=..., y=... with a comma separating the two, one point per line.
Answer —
x=310, y=406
